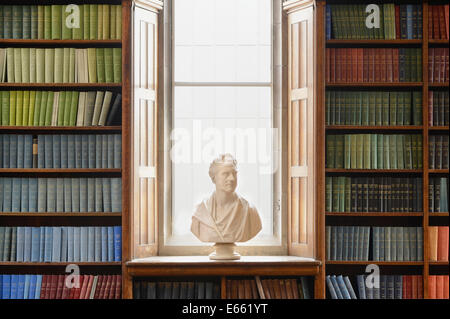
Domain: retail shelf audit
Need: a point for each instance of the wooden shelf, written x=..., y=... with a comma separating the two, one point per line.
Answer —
x=77, y=43
x=376, y=84
x=374, y=128
x=59, y=214
x=438, y=41
x=60, y=170
x=372, y=171
x=438, y=85
x=374, y=42
x=374, y=214
x=31, y=86
x=438, y=171
x=438, y=214
x=438, y=128
x=54, y=129
x=381, y=263
x=438, y=263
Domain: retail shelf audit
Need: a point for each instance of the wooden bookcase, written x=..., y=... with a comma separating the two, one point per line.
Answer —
x=34, y=219
x=423, y=218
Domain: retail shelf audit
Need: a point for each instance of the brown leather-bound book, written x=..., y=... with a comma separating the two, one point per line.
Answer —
x=332, y=65
x=430, y=23
x=59, y=287
x=442, y=26
x=276, y=288
x=247, y=289
x=395, y=65
x=44, y=286
x=404, y=287
x=432, y=287
x=241, y=289
x=66, y=292
x=255, y=294
x=431, y=64
x=98, y=288
x=414, y=287
x=430, y=108
x=287, y=285
x=383, y=65
x=118, y=293
x=107, y=287
x=436, y=32
x=354, y=64
x=371, y=64
x=442, y=250
x=419, y=287
x=366, y=60
x=327, y=65
x=266, y=289
x=228, y=287
x=338, y=65
x=346, y=64
x=53, y=286
x=282, y=284
x=446, y=65
x=360, y=64
x=397, y=22
x=444, y=58
x=439, y=287
x=446, y=292
x=389, y=72
x=433, y=232
x=437, y=65
x=349, y=56
x=259, y=285
x=378, y=64
x=103, y=287
x=112, y=289
x=294, y=288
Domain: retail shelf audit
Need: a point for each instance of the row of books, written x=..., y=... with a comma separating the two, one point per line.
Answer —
x=373, y=194
x=438, y=108
x=438, y=22
x=438, y=194
x=374, y=151
x=60, y=286
x=438, y=65
x=351, y=243
x=64, y=108
x=395, y=22
x=438, y=285
x=386, y=287
x=438, y=148
x=61, y=65
x=279, y=288
x=373, y=108
x=143, y=289
x=55, y=22
x=438, y=243
x=96, y=194
x=61, y=151
x=61, y=244
x=356, y=65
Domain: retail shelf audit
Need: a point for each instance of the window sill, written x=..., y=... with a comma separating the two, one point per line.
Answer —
x=203, y=266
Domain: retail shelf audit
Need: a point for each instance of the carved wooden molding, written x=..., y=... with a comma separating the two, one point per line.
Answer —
x=293, y=5
x=153, y=5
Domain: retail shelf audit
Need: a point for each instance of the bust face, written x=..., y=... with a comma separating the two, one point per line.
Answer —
x=226, y=179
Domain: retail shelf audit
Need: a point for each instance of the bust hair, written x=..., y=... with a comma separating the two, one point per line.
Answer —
x=223, y=160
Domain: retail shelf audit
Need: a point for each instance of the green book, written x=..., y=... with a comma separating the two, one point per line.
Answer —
x=66, y=65
x=328, y=193
x=386, y=153
x=7, y=22
x=92, y=65
x=414, y=151
x=380, y=151
x=393, y=108
x=332, y=107
x=400, y=107
x=56, y=21
x=407, y=108
x=1, y=28
x=5, y=108
x=77, y=31
x=66, y=32
x=373, y=151
x=346, y=111
x=353, y=152
x=100, y=21
x=419, y=77
x=339, y=160
x=49, y=65
x=106, y=22
x=58, y=68
x=417, y=109
x=367, y=148
x=37, y=108
x=408, y=66
x=393, y=152
x=34, y=22
x=43, y=108
x=19, y=108
x=26, y=22
x=408, y=151
x=365, y=109
x=74, y=108
x=47, y=22
x=32, y=65
x=117, y=65
x=61, y=110
x=379, y=108
x=331, y=151
x=25, y=56
x=17, y=22
x=359, y=151
x=419, y=152
x=86, y=21
x=93, y=21
x=109, y=71
x=40, y=65
x=339, y=105
x=26, y=108
x=341, y=183
x=100, y=57
x=40, y=22
x=348, y=194
x=372, y=108
x=347, y=152
x=358, y=107
x=17, y=65
x=67, y=105
x=335, y=190
x=112, y=22
x=49, y=109
x=400, y=149
x=72, y=65
x=327, y=95
x=12, y=108
x=385, y=108
x=10, y=69
x=118, y=22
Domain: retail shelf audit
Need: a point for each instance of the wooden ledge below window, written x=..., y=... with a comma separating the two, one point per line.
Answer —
x=203, y=266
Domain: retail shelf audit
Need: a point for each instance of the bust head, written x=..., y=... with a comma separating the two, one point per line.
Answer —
x=223, y=173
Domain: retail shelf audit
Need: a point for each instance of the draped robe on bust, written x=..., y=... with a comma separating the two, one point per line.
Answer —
x=238, y=223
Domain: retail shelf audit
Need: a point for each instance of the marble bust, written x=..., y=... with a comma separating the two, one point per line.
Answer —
x=225, y=216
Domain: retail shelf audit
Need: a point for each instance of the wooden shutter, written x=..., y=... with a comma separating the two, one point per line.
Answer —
x=144, y=133
x=301, y=127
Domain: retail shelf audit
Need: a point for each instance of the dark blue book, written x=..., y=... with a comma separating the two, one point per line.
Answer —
x=104, y=153
x=117, y=151
x=60, y=194
x=409, y=21
x=390, y=284
x=117, y=243
x=21, y=287
x=12, y=151
x=20, y=150
x=20, y=243
x=35, y=243
x=84, y=151
x=51, y=195
x=64, y=151
x=328, y=24
x=330, y=286
x=91, y=150
x=7, y=195
x=336, y=287
x=107, y=195
x=110, y=151
x=56, y=151
x=14, y=286
x=91, y=194
x=32, y=290
x=48, y=151
x=56, y=244
x=76, y=195
x=48, y=244
x=84, y=237
x=101, y=151
x=78, y=151
x=383, y=287
x=83, y=194
x=67, y=195
x=70, y=244
x=343, y=287
x=16, y=194
x=116, y=195
x=28, y=152
x=27, y=245
x=6, y=139
x=6, y=287
x=98, y=244
x=64, y=243
x=98, y=195
x=41, y=151
x=24, y=203
x=110, y=244
x=104, y=246
x=349, y=286
x=71, y=151
x=91, y=244
x=42, y=195
x=77, y=244
x=398, y=287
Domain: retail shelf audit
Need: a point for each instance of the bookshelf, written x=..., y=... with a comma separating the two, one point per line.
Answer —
x=423, y=218
x=78, y=218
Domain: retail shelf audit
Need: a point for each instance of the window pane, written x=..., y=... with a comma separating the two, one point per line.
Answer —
x=222, y=40
x=215, y=120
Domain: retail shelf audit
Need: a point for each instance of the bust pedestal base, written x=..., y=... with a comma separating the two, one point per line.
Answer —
x=224, y=251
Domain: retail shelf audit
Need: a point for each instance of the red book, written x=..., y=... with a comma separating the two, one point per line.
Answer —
x=446, y=25
x=365, y=65
x=404, y=288
x=60, y=286
x=430, y=64
x=437, y=65
x=360, y=64
x=77, y=292
x=332, y=65
x=395, y=65
x=439, y=287
x=327, y=65
x=442, y=243
x=377, y=67
x=112, y=289
x=44, y=286
x=383, y=65
x=389, y=73
x=118, y=293
x=446, y=75
x=349, y=56
x=397, y=22
x=430, y=108
x=98, y=288
x=414, y=287
x=338, y=65
x=408, y=284
x=53, y=286
x=83, y=287
x=342, y=65
x=66, y=291
x=419, y=287
x=442, y=26
x=371, y=64
x=105, y=293
x=354, y=77
x=446, y=277
x=443, y=65
x=430, y=22
x=89, y=287
x=436, y=33
x=432, y=287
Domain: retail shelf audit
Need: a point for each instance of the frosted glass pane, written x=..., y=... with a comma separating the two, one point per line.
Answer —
x=228, y=39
